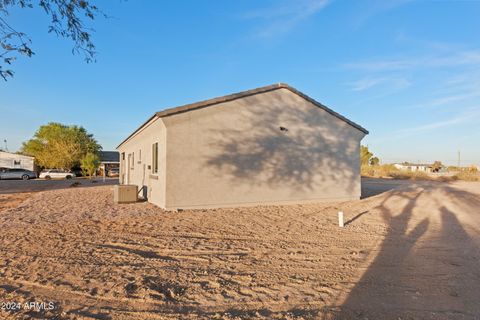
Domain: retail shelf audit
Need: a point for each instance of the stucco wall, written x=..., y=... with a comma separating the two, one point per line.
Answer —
x=141, y=175
x=234, y=153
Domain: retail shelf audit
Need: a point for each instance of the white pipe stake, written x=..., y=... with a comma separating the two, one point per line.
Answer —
x=340, y=219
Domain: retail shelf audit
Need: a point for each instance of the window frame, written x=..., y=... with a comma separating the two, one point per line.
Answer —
x=155, y=158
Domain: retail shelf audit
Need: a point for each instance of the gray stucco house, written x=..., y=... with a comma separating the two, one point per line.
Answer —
x=270, y=145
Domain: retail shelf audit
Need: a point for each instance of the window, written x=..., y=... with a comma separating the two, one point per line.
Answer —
x=140, y=156
x=155, y=157
x=123, y=155
x=132, y=164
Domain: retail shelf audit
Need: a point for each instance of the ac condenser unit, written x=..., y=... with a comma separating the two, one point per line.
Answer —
x=125, y=193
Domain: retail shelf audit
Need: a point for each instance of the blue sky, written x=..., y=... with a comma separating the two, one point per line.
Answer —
x=408, y=71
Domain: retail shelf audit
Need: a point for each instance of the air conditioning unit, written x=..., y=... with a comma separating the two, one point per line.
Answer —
x=125, y=193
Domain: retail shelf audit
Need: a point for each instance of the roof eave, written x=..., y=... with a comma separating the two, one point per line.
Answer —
x=138, y=129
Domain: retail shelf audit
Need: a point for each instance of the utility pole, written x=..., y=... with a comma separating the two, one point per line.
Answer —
x=6, y=147
x=459, y=159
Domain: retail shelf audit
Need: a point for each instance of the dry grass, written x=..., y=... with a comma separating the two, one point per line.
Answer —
x=379, y=171
x=389, y=171
x=410, y=175
x=468, y=176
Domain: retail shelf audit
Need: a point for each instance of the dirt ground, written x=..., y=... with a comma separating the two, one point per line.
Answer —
x=408, y=251
x=13, y=200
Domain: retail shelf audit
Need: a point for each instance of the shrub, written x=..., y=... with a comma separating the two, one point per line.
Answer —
x=468, y=176
x=389, y=171
x=378, y=171
x=411, y=175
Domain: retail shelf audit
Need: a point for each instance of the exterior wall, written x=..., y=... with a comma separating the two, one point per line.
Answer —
x=235, y=153
x=13, y=160
x=140, y=145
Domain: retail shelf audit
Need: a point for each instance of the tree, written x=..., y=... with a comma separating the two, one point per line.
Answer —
x=365, y=155
x=436, y=166
x=66, y=21
x=89, y=163
x=59, y=146
x=374, y=161
x=473, y=169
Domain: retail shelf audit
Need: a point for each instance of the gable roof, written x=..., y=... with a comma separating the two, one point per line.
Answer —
x=12, y=154
x=109, y=156
x=239, y=95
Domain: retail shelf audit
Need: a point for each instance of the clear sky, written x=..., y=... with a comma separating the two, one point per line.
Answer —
x=408, y=71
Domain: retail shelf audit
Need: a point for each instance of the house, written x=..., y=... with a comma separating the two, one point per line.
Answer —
x=417, y=167
x=14, y=160
x=108, y=160
x=270, y=145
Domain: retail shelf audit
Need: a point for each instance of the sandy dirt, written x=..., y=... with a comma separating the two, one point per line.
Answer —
x=12, y=200
x=410, y=252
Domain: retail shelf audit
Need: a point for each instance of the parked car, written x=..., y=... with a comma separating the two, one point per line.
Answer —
x=56, y=174
x=77, y=172
x=16, y=173
x=114, y=172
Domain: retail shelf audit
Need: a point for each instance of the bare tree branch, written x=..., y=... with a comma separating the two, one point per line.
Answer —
x=67, y=21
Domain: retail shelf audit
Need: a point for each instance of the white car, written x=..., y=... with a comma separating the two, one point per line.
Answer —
x=56, y=174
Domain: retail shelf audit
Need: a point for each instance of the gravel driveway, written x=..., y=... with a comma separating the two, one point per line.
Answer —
x=16, y=186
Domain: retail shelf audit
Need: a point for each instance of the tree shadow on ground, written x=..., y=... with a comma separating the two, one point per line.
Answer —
x=427, y=265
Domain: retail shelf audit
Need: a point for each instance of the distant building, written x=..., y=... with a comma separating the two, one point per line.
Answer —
x=416, y=167
x=14, y=160
x=108, y=160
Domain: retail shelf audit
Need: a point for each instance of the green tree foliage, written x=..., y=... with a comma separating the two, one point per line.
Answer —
x=67, y=20
x=365, y=155
x=59, y=146
x=89, y=163
x=374, y=161
x=370, y=165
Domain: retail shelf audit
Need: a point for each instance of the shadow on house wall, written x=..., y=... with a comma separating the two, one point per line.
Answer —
x=284, y=141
